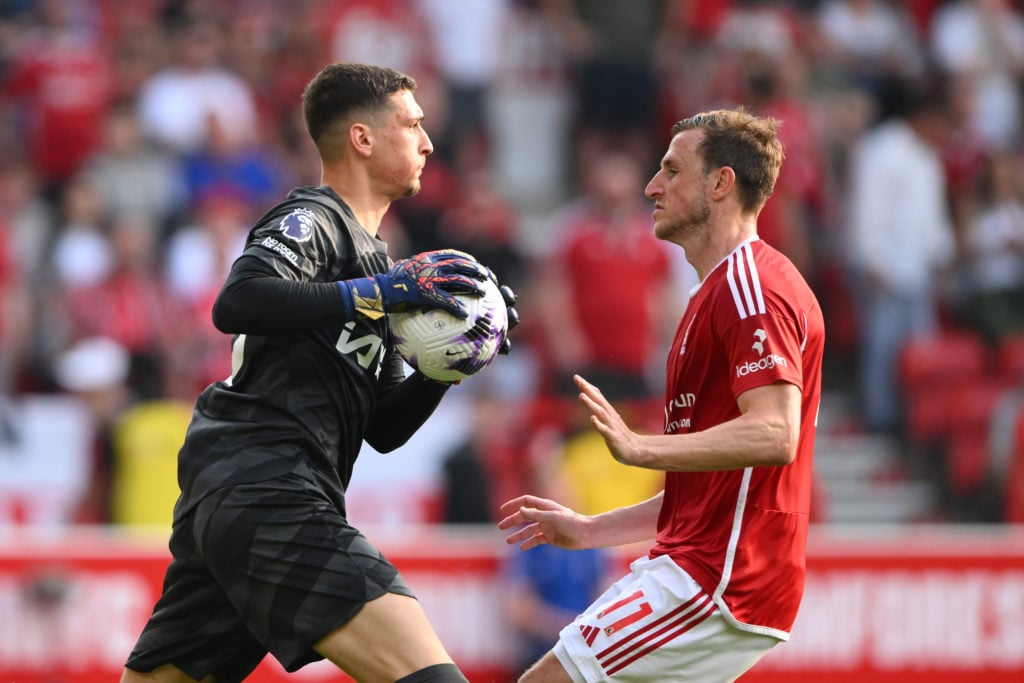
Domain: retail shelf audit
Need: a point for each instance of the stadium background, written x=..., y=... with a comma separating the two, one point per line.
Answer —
x=141, y=138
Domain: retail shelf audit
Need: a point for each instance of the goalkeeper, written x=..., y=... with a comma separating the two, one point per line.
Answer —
x=263, y=557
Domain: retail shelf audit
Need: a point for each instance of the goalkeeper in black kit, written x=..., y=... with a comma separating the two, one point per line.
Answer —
x=263, y=557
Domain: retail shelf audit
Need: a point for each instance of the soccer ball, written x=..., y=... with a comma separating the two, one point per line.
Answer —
x=447, y=348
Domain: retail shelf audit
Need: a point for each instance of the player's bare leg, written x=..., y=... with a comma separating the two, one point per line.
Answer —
x=388, y=639
x=168, y=673
x=547, y=670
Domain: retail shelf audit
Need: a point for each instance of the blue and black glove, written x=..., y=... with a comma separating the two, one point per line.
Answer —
x=427, y=280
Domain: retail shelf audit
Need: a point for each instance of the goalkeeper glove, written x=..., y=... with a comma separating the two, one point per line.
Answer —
x=428, y=280
x=513, y=315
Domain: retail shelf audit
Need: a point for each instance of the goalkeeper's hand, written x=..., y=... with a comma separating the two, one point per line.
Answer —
x=513, y=315
x=427, y=280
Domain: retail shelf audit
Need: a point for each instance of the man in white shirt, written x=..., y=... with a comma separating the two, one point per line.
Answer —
x=899, y=236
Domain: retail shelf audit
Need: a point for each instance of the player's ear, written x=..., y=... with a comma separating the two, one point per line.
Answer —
x=360, y=136
x=722, y=181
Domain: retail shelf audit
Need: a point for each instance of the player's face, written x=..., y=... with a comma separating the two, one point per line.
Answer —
x=404, y=147
x=679, y=191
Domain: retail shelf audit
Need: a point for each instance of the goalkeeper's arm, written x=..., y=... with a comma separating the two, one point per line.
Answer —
x=255, y=300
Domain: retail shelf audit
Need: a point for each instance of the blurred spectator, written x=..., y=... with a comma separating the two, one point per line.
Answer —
x=899, y=236
x=95, y=370
x=611, y=45
x=133, y=177
x=606, y=284
x=15, y=317
x=791, y=220
x=993, y=270
x=28, y=216
x=177, y=103
x=749, y=34
x=756, y=28
x=60, y=82
x=200, y=253
x=483, y=223
x=198, y=257
x=385, y=32
x=464, y=41
x=870, y=42
x=81, y=250
x=20, y=250
x=531, y=109
x=467, y=495
x=129, y=305
x=229, y=162
x=983, y=40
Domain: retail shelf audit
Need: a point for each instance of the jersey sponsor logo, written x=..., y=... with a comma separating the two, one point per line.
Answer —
x=298, y=225
x=683, y=400
x=282, y=249
x=769, y=362
x=744, y=282
x=365, y=348
x=675, y=425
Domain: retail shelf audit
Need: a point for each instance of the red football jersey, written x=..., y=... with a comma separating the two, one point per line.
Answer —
x=742, y=534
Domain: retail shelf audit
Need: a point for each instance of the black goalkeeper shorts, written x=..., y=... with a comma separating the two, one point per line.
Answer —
x=256, y=568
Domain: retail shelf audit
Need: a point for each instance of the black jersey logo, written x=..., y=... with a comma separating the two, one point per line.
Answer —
x=298, y=225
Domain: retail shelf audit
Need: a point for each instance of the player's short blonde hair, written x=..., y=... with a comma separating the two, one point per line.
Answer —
x=747, y=144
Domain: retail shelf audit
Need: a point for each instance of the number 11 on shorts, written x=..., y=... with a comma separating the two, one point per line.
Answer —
x=638, y=609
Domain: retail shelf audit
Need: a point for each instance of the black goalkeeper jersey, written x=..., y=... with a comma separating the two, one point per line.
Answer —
x=297, y=401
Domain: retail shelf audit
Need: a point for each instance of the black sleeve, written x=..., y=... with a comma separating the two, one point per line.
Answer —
x=255, y=300
x=402, y=411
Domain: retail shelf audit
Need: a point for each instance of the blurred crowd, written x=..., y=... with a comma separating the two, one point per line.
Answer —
x=141, y=140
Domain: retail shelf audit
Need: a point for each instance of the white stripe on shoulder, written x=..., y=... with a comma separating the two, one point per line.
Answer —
x=741, y=268
x=730, y=277
x=755, y=279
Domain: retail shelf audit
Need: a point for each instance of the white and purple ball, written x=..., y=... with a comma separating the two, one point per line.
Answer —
x=447, y=348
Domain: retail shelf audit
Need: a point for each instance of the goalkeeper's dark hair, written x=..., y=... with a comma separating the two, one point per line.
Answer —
x=747, y=144
x=344, y=92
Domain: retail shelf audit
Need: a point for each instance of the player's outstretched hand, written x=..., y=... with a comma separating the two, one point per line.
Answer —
x=543, y=521
x=620, y=439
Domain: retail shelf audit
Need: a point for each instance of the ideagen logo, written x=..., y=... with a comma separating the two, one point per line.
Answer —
x=766, y=363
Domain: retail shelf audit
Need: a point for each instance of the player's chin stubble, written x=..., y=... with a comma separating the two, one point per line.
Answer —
x=686, y=227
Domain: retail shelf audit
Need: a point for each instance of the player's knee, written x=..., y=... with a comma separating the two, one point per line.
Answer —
x=438, y=673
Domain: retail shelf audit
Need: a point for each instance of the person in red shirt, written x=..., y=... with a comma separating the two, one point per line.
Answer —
x=61, y=82
x=723, y=580
x=604, y=283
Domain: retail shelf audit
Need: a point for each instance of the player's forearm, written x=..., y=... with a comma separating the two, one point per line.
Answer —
x=625, y=525
x=254, y=301
x=747, y=441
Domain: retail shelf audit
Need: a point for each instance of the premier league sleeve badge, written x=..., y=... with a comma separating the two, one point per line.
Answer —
x=298, y=225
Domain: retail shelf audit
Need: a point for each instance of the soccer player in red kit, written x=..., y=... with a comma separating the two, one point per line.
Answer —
x=723, y=580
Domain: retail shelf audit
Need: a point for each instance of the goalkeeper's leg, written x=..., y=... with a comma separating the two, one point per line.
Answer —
x=390, y=639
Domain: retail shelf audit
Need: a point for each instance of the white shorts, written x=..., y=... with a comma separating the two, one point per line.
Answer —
x=657, y=624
